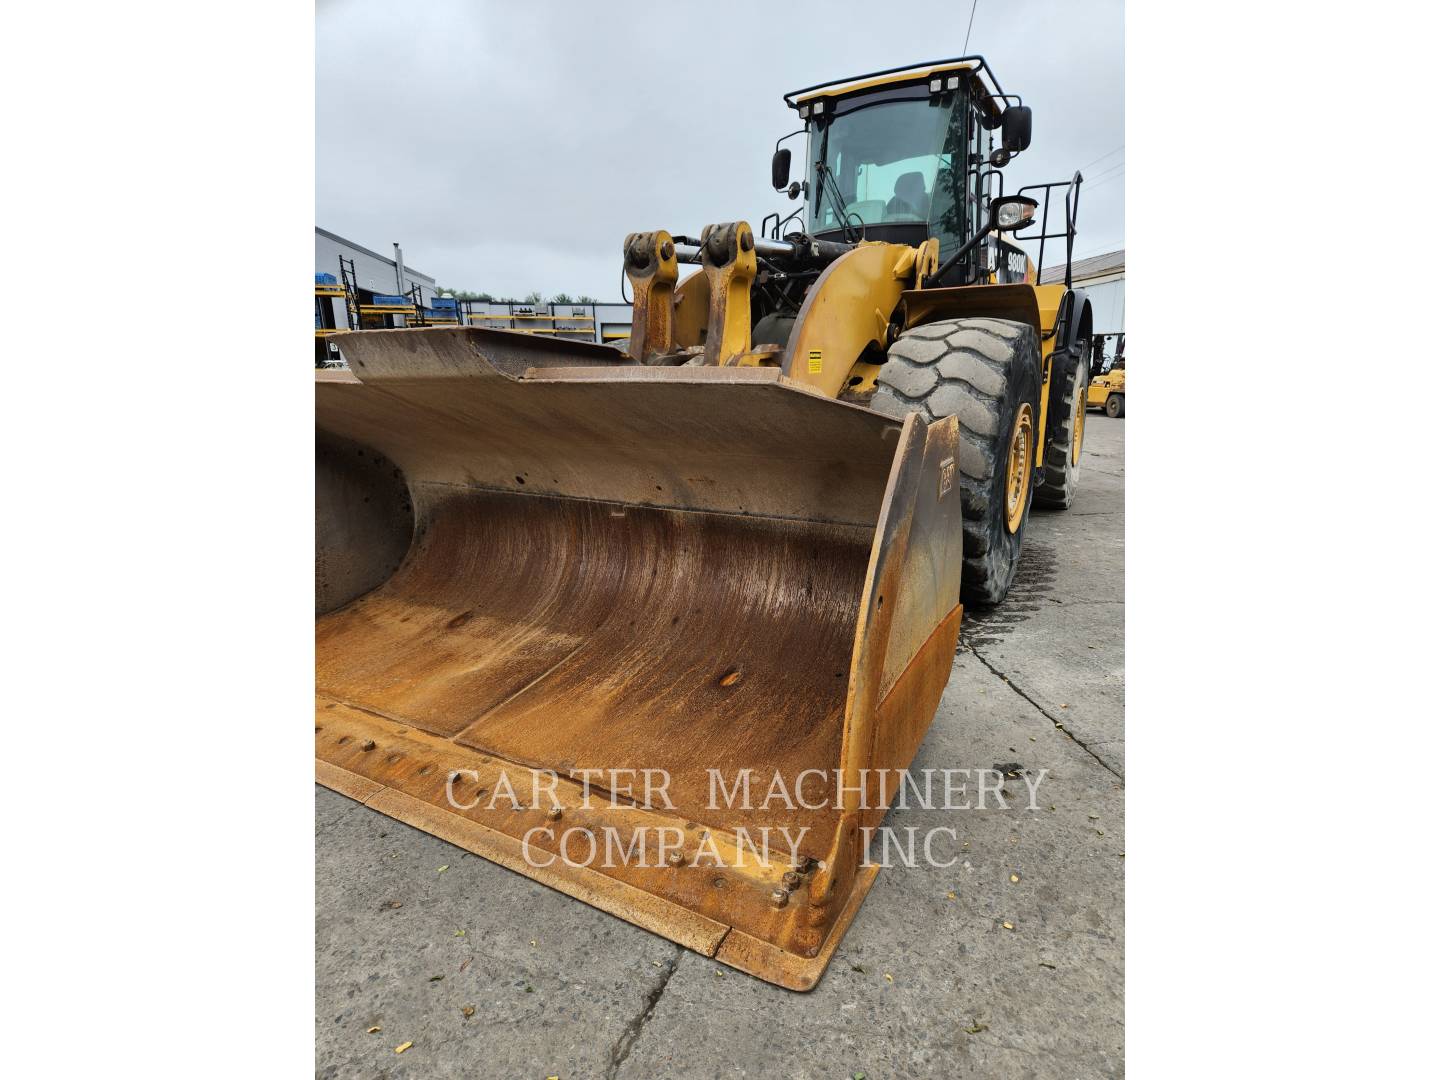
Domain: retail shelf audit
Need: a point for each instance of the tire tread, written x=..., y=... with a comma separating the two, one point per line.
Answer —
x=975, y=371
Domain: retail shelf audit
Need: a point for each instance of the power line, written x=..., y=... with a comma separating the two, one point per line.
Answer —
x=966, y=47
x=1118, y=176
x=1119, y=165
x=1102, y=157
x=1092, y=182
x=1103, y=249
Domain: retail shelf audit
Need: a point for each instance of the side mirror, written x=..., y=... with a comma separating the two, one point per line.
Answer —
x=1011, y=213
x=780, y=169
x=1015, y=128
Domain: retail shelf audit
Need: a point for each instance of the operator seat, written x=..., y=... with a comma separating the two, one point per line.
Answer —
x=910, y=197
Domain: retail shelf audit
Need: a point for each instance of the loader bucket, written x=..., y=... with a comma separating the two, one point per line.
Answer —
x=559, y=595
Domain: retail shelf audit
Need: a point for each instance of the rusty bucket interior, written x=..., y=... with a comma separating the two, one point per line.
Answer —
x=537, y=562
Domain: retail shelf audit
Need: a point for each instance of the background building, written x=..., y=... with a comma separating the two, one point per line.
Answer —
x=356, y=288
x=604, y=323
x=360, y=289
x=375, y=274
x=1103, y=279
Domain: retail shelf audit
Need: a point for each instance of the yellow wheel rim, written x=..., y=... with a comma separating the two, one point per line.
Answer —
x=1017, y=467
x=1079, y=425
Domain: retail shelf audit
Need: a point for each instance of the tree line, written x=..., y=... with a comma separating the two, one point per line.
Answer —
x=532, y=298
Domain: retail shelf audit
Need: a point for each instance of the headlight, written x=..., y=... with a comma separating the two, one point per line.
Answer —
x=1012, y=214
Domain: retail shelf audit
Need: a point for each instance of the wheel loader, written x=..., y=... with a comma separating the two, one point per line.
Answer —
x=570, y=599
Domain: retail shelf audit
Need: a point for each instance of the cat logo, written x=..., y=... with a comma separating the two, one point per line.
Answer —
x=947, y=476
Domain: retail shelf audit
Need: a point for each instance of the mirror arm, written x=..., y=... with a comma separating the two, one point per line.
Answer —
x=792, y=134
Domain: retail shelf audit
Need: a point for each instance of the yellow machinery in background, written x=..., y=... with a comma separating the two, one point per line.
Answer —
x=1107, y=379
x=737, y=550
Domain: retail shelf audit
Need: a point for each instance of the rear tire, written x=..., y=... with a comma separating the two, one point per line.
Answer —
x=1062, y=456
x=983, y=372
x=1115, y=406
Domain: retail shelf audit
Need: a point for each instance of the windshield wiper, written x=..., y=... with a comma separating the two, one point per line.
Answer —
x=837, y=200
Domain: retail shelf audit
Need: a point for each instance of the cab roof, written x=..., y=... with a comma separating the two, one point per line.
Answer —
x=972, y=68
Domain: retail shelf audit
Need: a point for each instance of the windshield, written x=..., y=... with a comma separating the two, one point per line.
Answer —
x=884, y=159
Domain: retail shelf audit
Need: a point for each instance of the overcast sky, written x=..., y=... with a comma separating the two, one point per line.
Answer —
x=509, y=147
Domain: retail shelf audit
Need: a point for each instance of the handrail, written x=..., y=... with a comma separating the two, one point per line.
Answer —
x=1072, y=215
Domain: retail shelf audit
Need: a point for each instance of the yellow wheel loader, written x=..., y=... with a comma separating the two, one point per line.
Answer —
x=662, y=628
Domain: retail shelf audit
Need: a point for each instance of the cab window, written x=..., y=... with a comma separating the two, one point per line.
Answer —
x=884, y=159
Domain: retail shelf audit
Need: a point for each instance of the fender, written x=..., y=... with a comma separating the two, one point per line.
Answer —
x=1075, y=332
x=1073, y=326
x=846, y=312
x=1019, y=303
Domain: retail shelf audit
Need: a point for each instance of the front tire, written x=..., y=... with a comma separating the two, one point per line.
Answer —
x=985, y=373
x=1115, y=406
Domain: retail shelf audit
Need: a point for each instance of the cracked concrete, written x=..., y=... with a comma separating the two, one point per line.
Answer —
x=1059, y=725
x=626, y=1042
x=929, y=980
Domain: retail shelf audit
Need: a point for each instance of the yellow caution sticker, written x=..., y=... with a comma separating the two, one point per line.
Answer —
x=816, y=362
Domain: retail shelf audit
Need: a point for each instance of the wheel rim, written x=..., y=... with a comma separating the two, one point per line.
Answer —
x=1017, y=467
x=1079, y=424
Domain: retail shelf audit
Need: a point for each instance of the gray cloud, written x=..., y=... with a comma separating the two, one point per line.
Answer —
x=510, y=147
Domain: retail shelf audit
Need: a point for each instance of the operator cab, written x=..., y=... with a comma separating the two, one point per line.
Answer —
x=905, y=155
